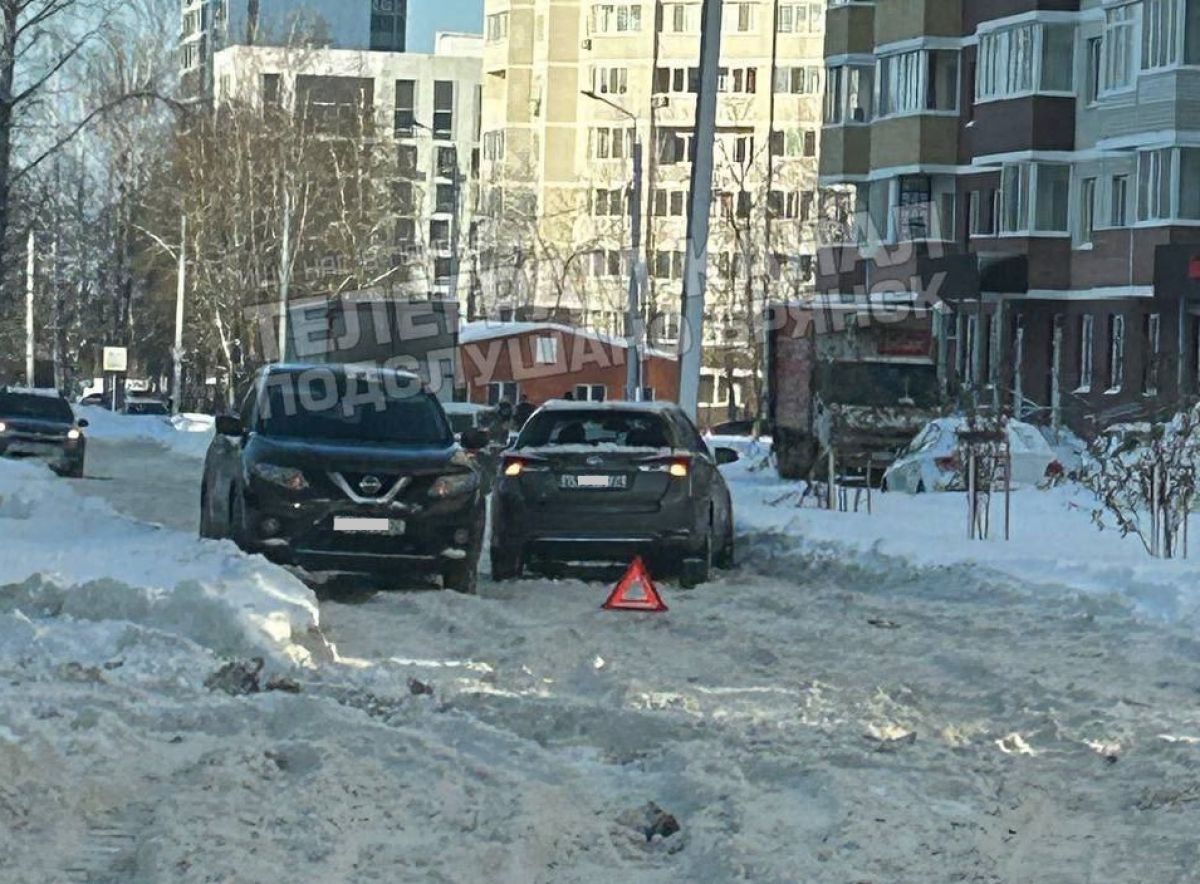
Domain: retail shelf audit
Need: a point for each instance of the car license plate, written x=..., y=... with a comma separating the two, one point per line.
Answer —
x=359, y=525
x=32, y=448
x=573, y=481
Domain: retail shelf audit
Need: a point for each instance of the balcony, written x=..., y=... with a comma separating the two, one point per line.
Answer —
x=845, y=152
x=897, y=20
x=914, y=140
x=850, y=30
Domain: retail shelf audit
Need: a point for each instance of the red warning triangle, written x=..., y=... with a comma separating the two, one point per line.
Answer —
x=635, y=591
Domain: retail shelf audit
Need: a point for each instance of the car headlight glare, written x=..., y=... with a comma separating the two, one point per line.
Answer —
x=3, y=427
x=73, y=434
x=454, y=485
x=285, y=477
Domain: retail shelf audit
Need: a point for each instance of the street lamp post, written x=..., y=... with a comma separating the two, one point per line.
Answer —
x=633, y=322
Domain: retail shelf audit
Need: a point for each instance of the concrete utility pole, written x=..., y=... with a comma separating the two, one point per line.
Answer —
x=695, y=268
x=285, y=274
x=633, y=317
x=180, y=291
x=29, y=272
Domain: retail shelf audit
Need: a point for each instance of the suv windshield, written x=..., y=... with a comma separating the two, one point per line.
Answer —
x=625, y=429
x=330, y=406
x=41, y=407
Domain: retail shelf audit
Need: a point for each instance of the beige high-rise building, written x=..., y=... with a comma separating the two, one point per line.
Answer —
x=557, y=161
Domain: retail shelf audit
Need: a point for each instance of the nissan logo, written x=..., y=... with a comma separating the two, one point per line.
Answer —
x=370, y=485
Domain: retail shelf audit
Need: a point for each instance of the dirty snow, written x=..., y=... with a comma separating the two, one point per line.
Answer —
x=863, y=699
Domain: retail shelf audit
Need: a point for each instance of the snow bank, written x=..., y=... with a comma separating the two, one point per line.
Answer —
x=185, y=434
x=63, y=554
x=1054, y=541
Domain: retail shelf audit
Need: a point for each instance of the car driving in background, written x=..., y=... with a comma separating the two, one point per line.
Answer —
x=40, y=424
x=608, y=481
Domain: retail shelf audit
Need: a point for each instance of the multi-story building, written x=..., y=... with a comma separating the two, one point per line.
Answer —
x=571, y=87
x=420, y=113
x=212, y=25
x=1035, y=167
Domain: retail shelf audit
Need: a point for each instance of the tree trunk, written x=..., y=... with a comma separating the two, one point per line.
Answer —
x=8, y=59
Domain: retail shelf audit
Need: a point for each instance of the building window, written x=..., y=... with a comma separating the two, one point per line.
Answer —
x=439, y=234
x=271, y=90
x=447, y=162
x=1094, y=55
x=407, y=160
x=1052, y=185
x=610, y=81
x=616, y=18
x=983, y=212
x=1119, y=201
x=497, y=26
x=502, y=391
x=668, y=265
x=849, y=95
x=406, y=108
x=443, y=109
x=800, y=18
x=607, y=202
x=1154, y=185
x=798, y=80
x=388, y=26
x=1014, y=184
x=738, y=18
x=1116, y=352
x=402, y=195
x=1161, y=41
x=917, y=81
x=590, y=392
x=1087, y=331
x=1087, y=210
x=680, y=18
x=1153, y=333
x=546, y=350
x=1025, y=59
x=608, y=263
x=493, y=145
x=674, y=146
x=444, y=199
x=611, y=143
x=1119, y=34
x=738, y=80
x=669, y=203
x=1044, y=187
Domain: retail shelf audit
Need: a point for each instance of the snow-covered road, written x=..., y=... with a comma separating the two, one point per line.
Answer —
x=816, y=715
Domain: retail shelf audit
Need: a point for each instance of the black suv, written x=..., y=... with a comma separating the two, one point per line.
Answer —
x=43, y=426
x=346, y=468
x=607, y=481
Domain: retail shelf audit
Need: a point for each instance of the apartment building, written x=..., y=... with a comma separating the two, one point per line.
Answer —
x=211, y=25
x=573, y=88
x=1034, y=167
x=421, y=111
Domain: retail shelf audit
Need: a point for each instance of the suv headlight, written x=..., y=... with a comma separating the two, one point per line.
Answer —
x=454, y=485
x=73, y=434
x=285, y=477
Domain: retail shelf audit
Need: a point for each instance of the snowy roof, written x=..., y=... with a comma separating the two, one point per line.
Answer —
x=465, y=407
x=486, y=330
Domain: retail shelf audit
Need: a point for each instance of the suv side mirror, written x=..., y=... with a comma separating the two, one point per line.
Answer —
x=727, y=455
x=81, y=423
x=474, y=439
x=229, y=425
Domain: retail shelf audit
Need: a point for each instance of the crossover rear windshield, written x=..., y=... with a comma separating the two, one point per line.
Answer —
x=40, y=407
x=329, y=406
x=627, y=429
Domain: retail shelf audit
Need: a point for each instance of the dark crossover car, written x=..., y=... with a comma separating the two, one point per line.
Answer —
x=42, y=426
x=607, y=481
x=346, y=468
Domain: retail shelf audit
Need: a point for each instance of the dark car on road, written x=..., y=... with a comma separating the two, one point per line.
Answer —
x=346, y=468
x=592, y=482
x=41, y=425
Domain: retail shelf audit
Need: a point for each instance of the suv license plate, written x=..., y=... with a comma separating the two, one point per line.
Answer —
x=358, y=525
